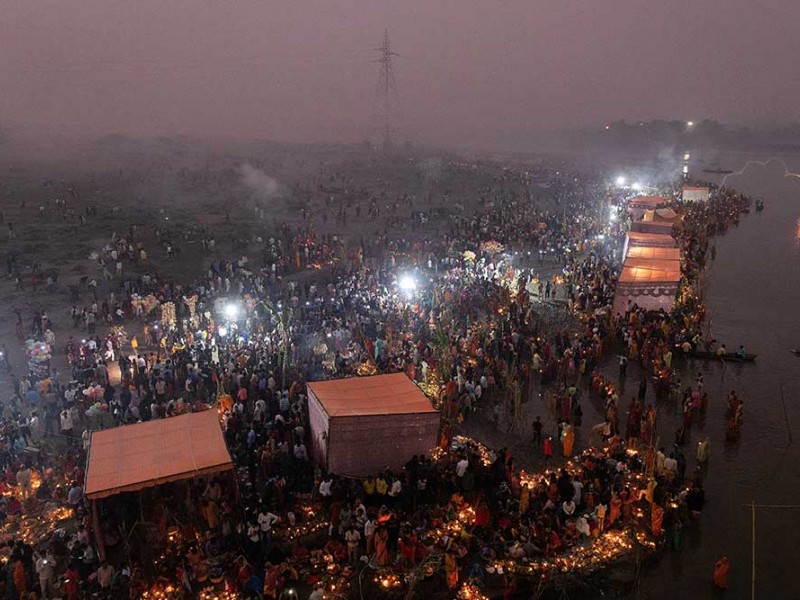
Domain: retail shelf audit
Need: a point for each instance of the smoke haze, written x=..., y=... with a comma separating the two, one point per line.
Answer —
x=263, y=187
x=467, y=73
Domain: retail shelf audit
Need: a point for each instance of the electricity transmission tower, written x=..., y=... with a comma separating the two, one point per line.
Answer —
x=386, y=103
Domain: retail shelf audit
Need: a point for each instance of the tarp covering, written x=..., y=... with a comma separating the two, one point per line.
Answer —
x=647, y=271
x=663, y=215
x=652, y=227
x=655, y=297
x=642, y=238
x=651, y=272
x=666, y=214
x=361, y=425
x=692, y=193
x=648, y=202
x=133, y=457
x=654, y=252
x=375, y=395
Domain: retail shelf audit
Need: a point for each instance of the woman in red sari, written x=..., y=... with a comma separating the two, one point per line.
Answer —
x=408, y=548
x=481, y=514
x=72, y=583
x=20, y=580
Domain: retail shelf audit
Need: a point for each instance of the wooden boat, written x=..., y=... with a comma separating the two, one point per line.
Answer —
x=795, y=351
x=729, y=357
x=718, y=171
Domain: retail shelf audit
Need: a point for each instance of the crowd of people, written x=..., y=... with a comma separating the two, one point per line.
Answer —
x=459, y=313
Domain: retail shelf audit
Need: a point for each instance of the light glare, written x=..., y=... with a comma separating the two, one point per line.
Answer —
x=407, y=283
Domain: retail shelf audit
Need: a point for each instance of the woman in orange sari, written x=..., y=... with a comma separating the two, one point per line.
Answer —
x=568, y=440
x=382, y=546
x=451, y=569
x=656, y=519
x=524, y=499
x=721, y=569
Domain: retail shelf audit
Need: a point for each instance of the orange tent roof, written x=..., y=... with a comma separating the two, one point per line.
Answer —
x=654, y=252
x=637, y=270
x=133, y=457
x=374, y=395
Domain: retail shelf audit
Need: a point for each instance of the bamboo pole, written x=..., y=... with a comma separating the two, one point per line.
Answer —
x=753, y=552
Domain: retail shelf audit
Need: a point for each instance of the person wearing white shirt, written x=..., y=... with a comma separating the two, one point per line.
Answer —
x=369, y=535
x=578, y=487
x=568, y=507
x=266, y=520
x=300, y=452
x=260, y=410
x=396, y=488
x=325, y=487
x=46, y=568
x=33, y=424
x=461, y=467
x=671, y=466
x=66, y=423
x=582, y=525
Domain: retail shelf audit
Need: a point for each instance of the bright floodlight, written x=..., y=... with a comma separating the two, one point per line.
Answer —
x=620, y=180
x=690, y=123
x=637, y=186
x=231, y=310
x=407, y=283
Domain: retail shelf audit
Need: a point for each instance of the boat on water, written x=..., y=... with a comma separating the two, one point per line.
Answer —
x=727, y=357
x=718, y=171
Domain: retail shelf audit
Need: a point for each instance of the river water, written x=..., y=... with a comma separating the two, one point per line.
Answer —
x=753, y=297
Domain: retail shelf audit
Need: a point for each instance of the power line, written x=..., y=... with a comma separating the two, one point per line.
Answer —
x=386, y=97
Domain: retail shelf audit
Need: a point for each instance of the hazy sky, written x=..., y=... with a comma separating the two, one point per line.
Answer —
x=468, y=70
